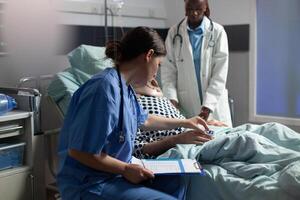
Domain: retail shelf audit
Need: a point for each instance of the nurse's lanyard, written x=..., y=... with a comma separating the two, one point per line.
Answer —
x=120, y=124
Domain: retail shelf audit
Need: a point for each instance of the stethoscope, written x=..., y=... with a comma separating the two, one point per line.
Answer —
x=178, y=36
x=120, y=123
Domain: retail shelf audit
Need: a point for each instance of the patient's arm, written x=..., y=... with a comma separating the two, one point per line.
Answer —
x=190, y=137
x=152, y=143
x=104, y=162
x=155, y=122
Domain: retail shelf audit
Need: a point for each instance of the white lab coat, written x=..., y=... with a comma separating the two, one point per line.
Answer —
x=178, y=76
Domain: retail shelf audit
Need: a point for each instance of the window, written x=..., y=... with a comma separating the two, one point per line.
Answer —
x=277, y=57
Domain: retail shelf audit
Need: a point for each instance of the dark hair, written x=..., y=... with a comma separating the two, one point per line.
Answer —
x=135, y=42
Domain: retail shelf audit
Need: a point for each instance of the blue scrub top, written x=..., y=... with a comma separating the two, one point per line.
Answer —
x=196, y=38
x=91, y=126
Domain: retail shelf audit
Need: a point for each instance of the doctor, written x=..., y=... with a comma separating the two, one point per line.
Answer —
x=194, y=72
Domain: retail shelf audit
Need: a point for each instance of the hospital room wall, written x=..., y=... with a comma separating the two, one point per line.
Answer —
x=34, y=57
x=32, y=42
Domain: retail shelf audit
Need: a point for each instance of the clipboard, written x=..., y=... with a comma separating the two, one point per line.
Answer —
x=171, y=166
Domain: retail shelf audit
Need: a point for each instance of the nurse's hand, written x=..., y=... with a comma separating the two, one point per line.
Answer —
x=136, y=174
x=194, y=123
x=192, y=137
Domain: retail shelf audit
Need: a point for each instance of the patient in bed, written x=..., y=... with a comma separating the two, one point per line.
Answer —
x=246, y=162
x=149, y=144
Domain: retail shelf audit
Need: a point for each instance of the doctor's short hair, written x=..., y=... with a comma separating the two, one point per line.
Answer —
x=207, y=12
x=134, y=43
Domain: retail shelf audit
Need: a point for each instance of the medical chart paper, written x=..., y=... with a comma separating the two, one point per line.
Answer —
x=178, y=166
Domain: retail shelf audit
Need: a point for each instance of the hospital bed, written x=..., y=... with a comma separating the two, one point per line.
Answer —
x=241, y=163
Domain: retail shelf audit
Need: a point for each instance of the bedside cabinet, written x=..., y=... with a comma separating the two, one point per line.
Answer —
x=17, y=144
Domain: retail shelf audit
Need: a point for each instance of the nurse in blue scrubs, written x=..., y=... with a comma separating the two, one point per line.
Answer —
x=96, y=141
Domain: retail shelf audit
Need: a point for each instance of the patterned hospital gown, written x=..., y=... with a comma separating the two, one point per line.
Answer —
x=159, y=106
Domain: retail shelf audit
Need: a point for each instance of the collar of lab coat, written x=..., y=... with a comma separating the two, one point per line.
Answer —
x=205, y=23
x=184, y=32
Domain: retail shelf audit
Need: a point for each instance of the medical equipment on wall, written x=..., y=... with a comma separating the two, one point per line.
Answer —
x=179, y=37
x=114, y=8
x=117, y=5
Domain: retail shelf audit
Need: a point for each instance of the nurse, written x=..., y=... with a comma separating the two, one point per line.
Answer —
x=96, y=141
x=194, y=72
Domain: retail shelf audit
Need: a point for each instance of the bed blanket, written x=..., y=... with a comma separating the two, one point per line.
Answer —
x=246, y=162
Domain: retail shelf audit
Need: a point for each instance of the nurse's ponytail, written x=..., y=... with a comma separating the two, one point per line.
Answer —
x=114, y=51
x=134, y=43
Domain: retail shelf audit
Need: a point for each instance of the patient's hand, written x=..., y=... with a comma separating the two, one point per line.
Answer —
x=194, y=123
x=192, y=137
x=216, y=123
x=136, y=174
x=175, y=103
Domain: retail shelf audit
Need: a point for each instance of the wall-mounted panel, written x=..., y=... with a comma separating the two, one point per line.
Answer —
x=238, y=36
x=92, y=35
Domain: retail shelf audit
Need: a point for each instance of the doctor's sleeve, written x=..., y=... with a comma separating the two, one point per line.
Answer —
x=219, y=65
x=93, y=120
x=169, y=69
